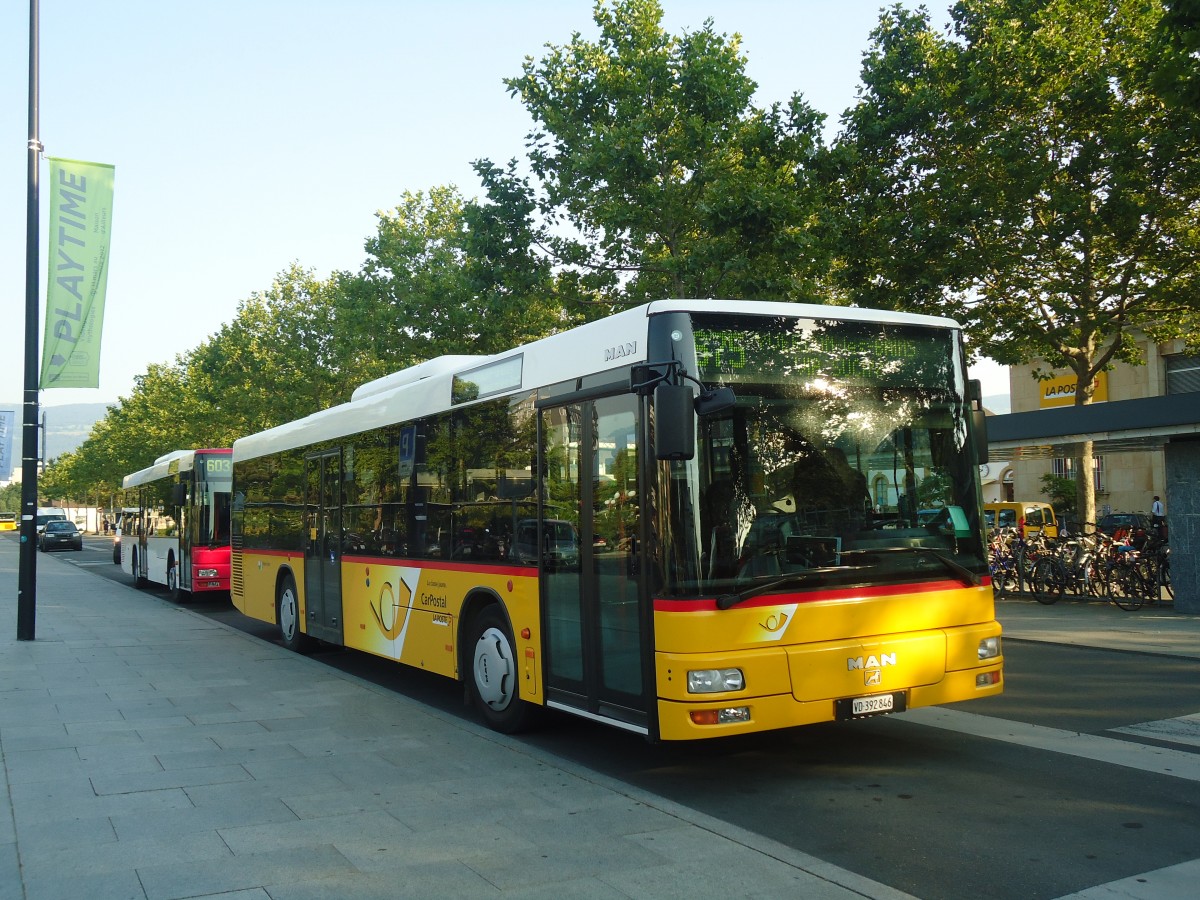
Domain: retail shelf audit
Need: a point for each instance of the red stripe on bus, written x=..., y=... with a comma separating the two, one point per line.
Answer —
x=510, y=571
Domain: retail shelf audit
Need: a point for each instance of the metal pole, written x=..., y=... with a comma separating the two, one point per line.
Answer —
x=27, y=576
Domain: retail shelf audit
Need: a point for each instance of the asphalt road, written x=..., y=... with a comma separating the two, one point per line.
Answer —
x=932, y=811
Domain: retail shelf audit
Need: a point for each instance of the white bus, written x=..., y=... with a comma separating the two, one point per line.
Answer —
x=178, y=532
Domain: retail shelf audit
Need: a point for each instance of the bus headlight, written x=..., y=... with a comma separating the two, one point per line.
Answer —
x=989, y=648
x=714, y=681
x=206, y=573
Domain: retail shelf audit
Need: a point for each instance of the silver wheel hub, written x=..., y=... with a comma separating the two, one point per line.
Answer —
x=287, y=614
x=495, y=669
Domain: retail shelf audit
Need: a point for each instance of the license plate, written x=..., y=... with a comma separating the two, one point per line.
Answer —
x=874, y=705
x=865, y=706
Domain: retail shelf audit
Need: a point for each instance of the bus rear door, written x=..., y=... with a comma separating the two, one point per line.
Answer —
x=323, y=549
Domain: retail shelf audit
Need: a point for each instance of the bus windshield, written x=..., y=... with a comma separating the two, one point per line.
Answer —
x=846, y=461
x=214, y=480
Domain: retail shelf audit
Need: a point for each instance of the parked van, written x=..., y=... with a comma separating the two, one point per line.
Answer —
x=1031, y=516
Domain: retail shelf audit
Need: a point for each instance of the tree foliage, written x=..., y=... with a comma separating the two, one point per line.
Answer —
x=1023, y=174
x=658, y=176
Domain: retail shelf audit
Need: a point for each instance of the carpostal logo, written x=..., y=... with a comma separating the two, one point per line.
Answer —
x=620, y=351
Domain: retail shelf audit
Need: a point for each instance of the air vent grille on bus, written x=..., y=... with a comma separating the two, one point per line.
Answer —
x=236, y=584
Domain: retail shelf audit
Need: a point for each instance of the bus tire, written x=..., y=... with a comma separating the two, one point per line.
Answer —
x=494, y=676
x=139, y=580
x=287, y=617
x=173, y=590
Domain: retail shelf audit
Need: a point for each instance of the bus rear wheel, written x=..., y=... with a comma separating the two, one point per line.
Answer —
x=173, y=580
x=287, y=615
x=494, y=677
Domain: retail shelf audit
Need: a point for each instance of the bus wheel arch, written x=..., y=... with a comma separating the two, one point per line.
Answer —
x=287, y=613
x=173, y=577
x=490, y=666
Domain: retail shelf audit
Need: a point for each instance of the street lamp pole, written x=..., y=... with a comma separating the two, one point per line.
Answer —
x=27, y=575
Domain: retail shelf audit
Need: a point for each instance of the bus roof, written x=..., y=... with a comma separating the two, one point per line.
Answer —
x=168, y=464
x=425, y=389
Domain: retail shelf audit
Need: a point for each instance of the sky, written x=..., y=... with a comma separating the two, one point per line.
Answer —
x=248, y=135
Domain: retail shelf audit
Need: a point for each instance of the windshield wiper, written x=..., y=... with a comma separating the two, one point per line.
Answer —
x=726, y=601
x=957, y=568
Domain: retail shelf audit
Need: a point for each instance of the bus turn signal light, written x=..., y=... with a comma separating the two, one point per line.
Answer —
x=720, y=716
x=987, y=679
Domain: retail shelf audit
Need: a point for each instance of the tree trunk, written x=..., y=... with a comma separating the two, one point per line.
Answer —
x=1085, y=483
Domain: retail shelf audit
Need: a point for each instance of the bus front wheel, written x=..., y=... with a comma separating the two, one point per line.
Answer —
x=495, y=675
x=287, y=615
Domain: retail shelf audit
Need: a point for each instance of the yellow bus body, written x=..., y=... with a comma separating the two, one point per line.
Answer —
x=407, y=613
x=798, y=659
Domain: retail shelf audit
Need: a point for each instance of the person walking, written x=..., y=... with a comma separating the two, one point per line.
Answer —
x=1158, y=519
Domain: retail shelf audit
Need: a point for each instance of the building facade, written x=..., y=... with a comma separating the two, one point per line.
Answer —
x=1126, y=481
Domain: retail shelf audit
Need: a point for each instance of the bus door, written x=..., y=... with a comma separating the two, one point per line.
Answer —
x=323, y=553
x=593, y=618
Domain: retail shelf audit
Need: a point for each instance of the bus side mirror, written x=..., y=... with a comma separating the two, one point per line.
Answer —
x=978, y=420
x=718, y=400
x=979, y=435
x=674, y=422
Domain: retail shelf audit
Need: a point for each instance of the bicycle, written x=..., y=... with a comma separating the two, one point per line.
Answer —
x=1067, y=566
x=1127, y=579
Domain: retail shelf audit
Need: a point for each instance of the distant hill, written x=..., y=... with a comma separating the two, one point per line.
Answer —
x=999, y=404
x=67, y=427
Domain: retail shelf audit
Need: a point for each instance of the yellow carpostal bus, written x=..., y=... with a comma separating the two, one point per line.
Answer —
x=688, y=520
x=8, y=521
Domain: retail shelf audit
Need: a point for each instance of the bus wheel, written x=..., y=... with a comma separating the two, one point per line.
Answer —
x=173, y=579
x=287, y=614
x=139, y=580
x=495, y=675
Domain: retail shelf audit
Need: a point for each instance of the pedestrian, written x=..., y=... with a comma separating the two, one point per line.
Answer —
x=1158, y=520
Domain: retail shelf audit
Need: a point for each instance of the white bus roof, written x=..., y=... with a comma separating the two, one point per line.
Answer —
x=613, y=342
x=184, y=460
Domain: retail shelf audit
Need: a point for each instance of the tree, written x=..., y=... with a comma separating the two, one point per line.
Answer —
x=447, y=276
x=1177, y=51
x=285, y=355
x=659, y=178
x=1022, y=174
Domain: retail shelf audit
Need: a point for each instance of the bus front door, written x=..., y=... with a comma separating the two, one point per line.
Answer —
x=323, y=554
x=595, y=642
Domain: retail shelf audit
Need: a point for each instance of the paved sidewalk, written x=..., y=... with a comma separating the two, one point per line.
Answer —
x=150, y=752
x=1096, y=623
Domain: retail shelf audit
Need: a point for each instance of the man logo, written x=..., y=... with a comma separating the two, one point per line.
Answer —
x=873, y=677
x=882, y=661
x=620, y=351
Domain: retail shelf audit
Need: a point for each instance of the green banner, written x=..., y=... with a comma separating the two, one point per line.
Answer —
x=80, y=222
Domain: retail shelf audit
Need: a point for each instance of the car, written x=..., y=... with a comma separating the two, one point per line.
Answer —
x=1032, y=516
x=60, y=534
x=46, y=516
x=560, y=547
x=1114, y=522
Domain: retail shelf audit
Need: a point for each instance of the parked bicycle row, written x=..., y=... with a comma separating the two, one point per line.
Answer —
x=1128, y=568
